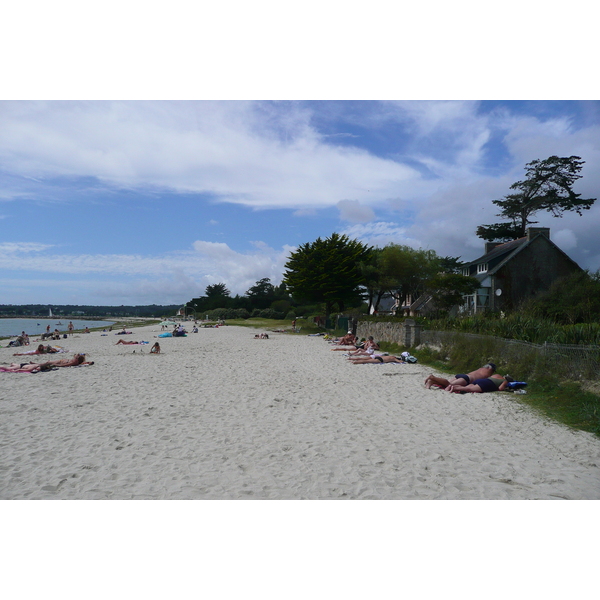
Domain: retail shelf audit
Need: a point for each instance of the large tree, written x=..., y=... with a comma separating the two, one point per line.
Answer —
x=327, y=271
x=217, y=290
x=448, y=289
x=404, y=271
x=547, y=187
x=262, y=294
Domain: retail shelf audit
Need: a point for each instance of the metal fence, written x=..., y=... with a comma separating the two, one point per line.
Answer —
x=567, y=361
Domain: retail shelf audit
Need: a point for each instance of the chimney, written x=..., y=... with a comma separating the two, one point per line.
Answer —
x=533, y=231
x=489, y=246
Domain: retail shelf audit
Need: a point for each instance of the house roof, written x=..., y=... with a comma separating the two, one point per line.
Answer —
x=509, y=250
x=505, y=248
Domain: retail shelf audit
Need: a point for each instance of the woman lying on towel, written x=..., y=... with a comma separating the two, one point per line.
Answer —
x=378, y=360
x=41, y=349
x=78, y=359
x=21, y=368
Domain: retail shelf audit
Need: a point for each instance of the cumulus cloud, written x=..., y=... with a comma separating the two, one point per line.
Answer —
x=157, y=278
x=237, y=152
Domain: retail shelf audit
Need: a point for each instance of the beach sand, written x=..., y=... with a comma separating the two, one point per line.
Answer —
x=222, y=415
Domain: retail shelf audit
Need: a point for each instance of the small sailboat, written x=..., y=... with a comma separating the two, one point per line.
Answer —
x=50, y=313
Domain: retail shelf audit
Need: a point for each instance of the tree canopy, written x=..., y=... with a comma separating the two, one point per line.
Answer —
x=404, y=270
x=216, y=290
x=547, y=187
x=327, y=271
x=262, y=294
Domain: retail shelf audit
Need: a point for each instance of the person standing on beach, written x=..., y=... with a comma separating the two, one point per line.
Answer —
x=71, y=327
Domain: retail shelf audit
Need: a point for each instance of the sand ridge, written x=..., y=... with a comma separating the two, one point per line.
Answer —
x=222, y=415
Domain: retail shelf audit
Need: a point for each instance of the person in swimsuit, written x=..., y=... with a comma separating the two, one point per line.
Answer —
x=155, y=349
x=349, y=340
x=368, y=348
x=41, y=349
x=78, y=359
x=495, y=383
x=376, y=360
x=21, y=368
x=462, y=378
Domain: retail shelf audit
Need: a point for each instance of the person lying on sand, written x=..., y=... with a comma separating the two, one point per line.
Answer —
x=462, y=378
x=20, y=368
x=495, y=383
x=41, y=349
x=124, y=342
x=376, y=360
x=78, y=359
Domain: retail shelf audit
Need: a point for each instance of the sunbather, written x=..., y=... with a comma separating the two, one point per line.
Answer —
x=462, y=378
x=376, y=360
x=41, y=349
x=368, y=348
x=78, y=359
x=495, y=383
x=21, y=368
x=348, y=340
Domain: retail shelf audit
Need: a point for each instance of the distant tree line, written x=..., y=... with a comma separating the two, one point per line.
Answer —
x=79, y=311
x=262, y=300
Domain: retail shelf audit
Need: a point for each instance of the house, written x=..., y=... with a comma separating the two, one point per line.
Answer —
x=514, y=271
x=387, y=305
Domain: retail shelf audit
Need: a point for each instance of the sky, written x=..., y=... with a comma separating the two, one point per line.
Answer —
x=148, y=202
x=138, y=168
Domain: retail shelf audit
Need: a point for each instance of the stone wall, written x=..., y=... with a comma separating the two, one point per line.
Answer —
x=406, y=334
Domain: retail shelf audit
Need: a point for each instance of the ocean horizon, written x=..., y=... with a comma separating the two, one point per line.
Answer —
x=34, y=326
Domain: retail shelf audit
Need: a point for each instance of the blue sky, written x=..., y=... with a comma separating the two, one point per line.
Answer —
x=138, y=202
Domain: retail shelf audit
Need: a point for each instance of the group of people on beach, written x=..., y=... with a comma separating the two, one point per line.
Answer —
x=366, y=352
x=482, y=380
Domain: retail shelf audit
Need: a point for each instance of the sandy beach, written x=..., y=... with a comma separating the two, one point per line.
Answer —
x=222, y=415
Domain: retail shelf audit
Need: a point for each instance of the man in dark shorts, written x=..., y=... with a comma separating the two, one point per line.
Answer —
x=495, y=383
x=461, y=378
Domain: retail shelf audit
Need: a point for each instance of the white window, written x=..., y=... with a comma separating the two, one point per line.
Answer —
x=482, y=267
x=466, y=271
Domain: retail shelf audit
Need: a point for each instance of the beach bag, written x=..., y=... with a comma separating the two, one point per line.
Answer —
x=411, y=359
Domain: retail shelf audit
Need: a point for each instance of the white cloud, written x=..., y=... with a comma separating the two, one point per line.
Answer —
x=355, y=212
x=238, y=152
x=21, y=247
x=165, y=279
x=381, y=234
x=565, y=239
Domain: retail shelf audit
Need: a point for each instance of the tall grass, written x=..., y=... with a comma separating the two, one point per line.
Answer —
x=516, y=326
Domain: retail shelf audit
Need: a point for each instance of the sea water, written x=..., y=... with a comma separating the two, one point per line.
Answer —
x=33, y=327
